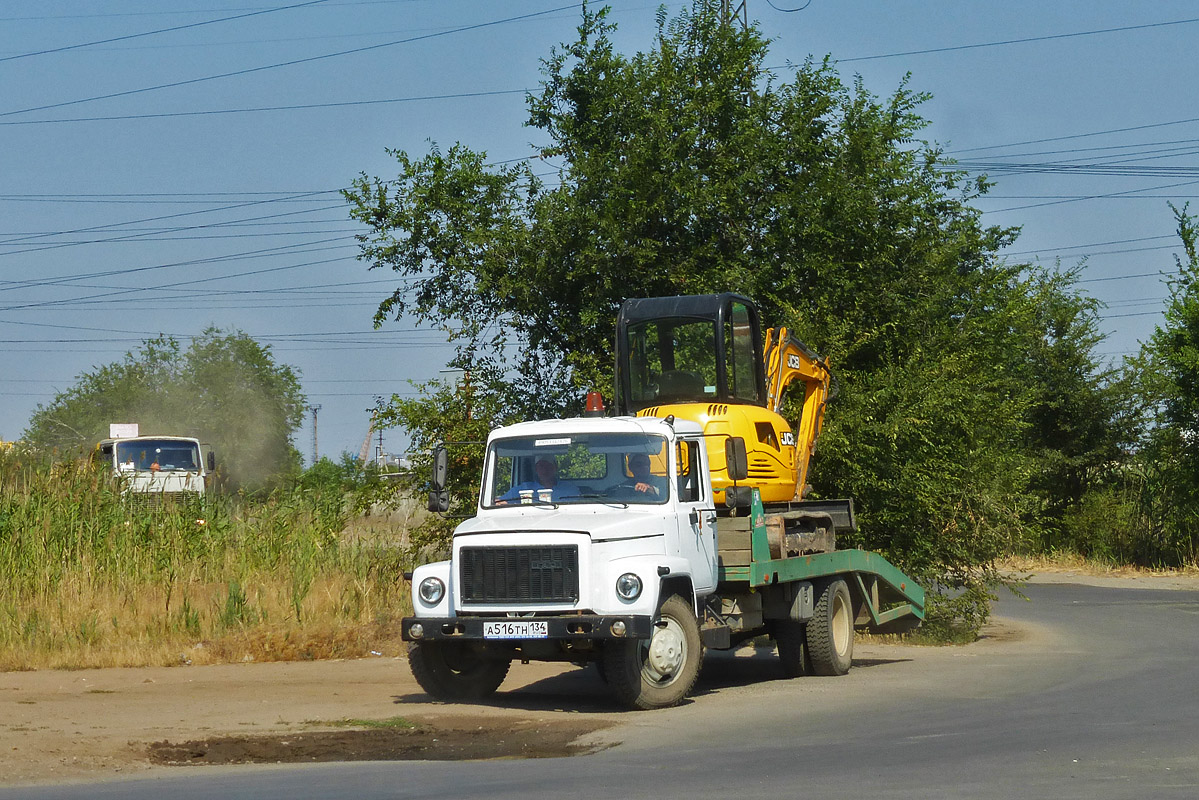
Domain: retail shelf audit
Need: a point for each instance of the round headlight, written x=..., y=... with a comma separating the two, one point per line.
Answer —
x=431, y=591
x=628, y=586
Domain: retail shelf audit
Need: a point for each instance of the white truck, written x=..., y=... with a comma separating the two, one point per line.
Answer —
x=163, y=467
x=596, y=541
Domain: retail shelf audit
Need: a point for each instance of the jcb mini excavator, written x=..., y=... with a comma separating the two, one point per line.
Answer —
x=704, y=358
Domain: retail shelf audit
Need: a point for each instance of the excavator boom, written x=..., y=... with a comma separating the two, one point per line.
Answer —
x=789, y=360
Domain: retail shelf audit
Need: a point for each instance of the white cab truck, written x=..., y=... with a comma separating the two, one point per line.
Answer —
x=158, y=466
x=595, y=541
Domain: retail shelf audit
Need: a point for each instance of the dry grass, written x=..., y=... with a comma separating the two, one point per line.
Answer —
x=191, y=622
x=386, y=525
x=92, y=580
x=1071, y=562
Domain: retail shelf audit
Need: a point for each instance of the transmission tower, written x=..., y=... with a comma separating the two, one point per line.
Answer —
x=314, y=409
x=731, y=10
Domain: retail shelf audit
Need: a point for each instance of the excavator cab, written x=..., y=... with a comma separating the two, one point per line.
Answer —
x=703, y=358
x=697, y=349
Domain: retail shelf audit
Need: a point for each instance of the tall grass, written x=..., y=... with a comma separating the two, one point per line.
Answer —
x=90, y=578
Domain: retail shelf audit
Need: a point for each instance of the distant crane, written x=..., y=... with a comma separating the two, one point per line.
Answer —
x=365, y=450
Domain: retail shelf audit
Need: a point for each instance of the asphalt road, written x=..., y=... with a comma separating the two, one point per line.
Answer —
x=1089, y=692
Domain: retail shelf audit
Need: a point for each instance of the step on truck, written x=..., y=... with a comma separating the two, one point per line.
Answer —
x=597, y=541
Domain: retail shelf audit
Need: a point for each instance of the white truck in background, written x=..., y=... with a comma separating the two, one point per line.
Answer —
x=163, y=466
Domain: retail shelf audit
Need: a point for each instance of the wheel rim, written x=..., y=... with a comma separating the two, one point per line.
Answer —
x=842, y=626
x=666, y=654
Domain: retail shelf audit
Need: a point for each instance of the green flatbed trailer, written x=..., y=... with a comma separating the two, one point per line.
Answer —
x=889, y=600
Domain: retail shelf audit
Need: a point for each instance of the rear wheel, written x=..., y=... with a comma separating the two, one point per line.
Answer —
x=660, y=671
x=790, y=640
x=830, y=631
x=455, y=670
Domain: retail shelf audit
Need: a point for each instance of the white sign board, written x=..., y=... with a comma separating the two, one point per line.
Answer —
x=122, y=430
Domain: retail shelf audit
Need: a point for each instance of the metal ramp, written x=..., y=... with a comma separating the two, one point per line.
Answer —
x=890, y=601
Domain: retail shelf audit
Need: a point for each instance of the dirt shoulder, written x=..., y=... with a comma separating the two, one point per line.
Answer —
x=1041, y=571
x=63, y=726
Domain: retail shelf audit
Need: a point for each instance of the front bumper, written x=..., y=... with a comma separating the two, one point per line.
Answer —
x=560, y=628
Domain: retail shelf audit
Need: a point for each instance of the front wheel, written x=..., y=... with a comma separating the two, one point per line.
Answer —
x=830, y=631
x=658, y=672
x=455, y=670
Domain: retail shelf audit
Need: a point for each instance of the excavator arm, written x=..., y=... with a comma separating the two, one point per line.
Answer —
x=789, y=360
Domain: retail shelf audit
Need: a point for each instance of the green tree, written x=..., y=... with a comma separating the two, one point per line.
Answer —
x=1169, y=371
x=691, y=168
x=225, y=389
x=1080, y=425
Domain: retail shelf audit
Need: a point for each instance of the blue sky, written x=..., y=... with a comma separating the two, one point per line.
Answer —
x=167, y=167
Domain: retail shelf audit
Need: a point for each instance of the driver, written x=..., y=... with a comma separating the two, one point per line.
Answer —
x=643, y=482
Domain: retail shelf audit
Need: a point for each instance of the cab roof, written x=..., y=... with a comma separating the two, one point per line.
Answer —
x=550, y=427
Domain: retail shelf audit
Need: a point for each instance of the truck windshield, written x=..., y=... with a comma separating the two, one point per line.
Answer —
x=578, y=468
x=147, y=455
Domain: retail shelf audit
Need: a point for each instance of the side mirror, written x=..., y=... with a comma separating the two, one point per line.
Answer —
x=211, y=461
x=736, y=459
x=439, y=498
x=738, y=496
x=441, y=467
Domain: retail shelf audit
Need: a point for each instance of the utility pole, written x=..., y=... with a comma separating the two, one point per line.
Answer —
x=314, y=409
x=464, y=386
x=466, y=376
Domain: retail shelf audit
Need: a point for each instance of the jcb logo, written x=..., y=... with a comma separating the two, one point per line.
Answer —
x=793, y=361
x=788, y=439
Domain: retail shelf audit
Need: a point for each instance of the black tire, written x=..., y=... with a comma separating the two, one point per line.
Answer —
x=455, y=670
x=790, y=639
x=830, y=631
x=661, y=671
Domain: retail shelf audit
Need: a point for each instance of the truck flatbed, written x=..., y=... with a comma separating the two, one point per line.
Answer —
x=891, y=600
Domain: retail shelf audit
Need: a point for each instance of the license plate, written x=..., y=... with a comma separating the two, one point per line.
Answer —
x=516, y=629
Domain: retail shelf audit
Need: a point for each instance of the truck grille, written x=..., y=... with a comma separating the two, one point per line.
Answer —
x=519, y=574
x=143, y=501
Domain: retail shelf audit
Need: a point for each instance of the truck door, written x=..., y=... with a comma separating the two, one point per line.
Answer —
x=696, y=517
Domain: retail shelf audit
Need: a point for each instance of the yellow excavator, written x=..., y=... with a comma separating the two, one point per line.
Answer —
x=703, y=358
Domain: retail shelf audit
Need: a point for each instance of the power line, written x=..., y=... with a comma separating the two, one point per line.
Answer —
x=292, y=63
x=125, y=291
x=235, y=206
x=160, y=31
x=264, y=109
x=1090, y=244
x=1122, y=277
x=116, y=197
x=1092, y=149
x=185, y=11
x=163, y=235
x=1020, y=41
x=1077, y=135
x=1065, y=168
x=270, y=251
x=1091, y=197
x=143, y=232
